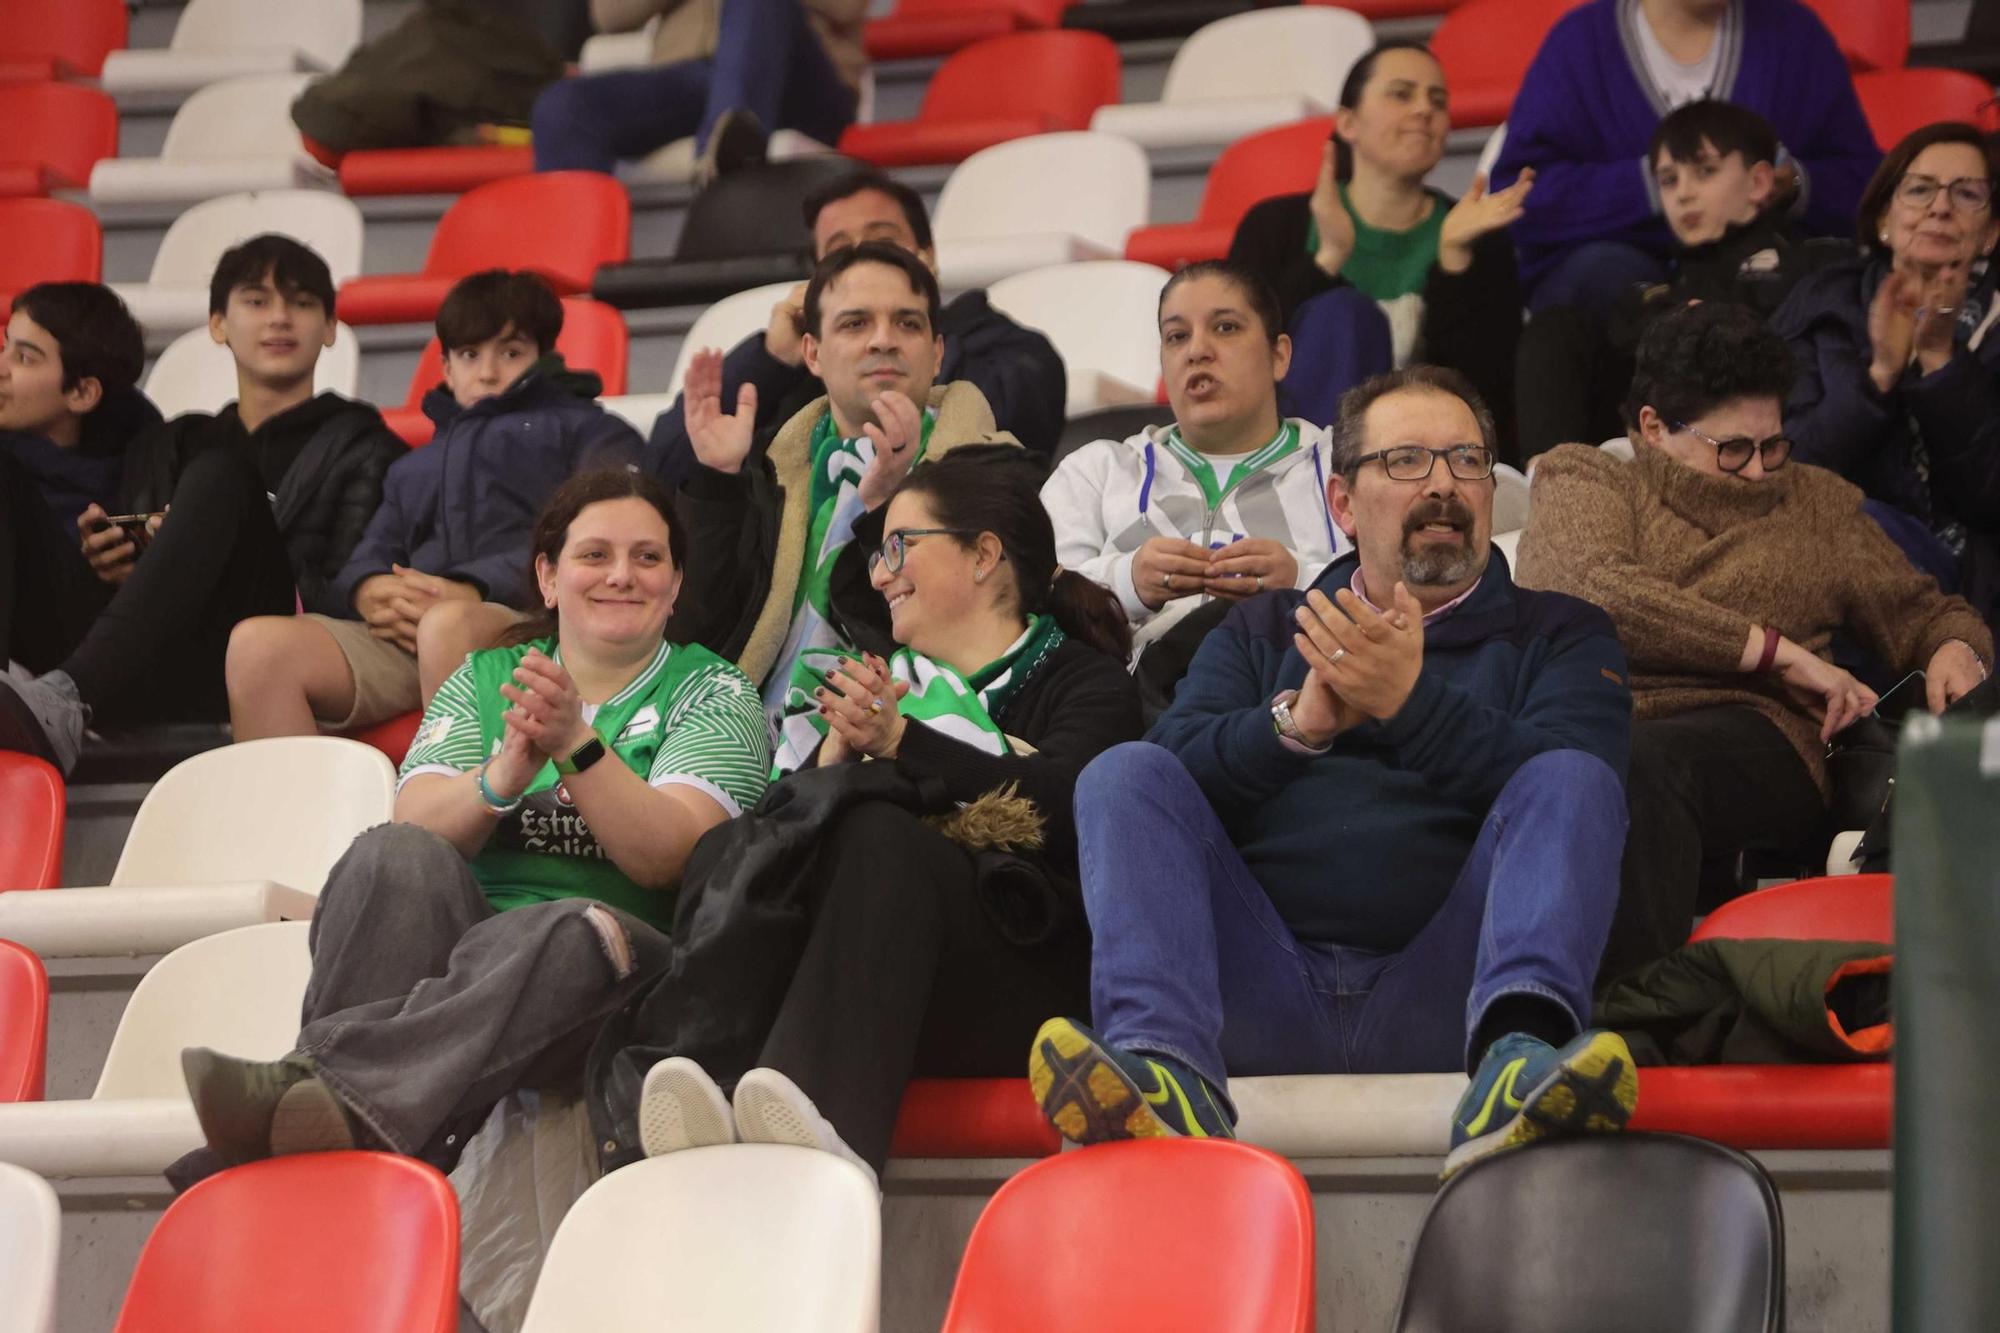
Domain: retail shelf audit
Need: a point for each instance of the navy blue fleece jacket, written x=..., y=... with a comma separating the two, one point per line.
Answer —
x=1359, y=846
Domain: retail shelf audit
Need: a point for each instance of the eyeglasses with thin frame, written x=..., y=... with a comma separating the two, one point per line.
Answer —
x=1733, y=454
x=895, y=547
x=1413, y=462
x=1969, y=194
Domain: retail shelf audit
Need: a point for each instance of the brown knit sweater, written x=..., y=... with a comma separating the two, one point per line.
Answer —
x=1686, y=563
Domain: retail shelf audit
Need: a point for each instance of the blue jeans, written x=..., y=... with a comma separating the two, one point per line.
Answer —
x=1594, y=275
x=1191, y=961
x=1339, y=338
x=767, y=60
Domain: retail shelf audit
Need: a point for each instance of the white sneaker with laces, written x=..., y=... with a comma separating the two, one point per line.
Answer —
x=770, y=1108
x=680, y=1107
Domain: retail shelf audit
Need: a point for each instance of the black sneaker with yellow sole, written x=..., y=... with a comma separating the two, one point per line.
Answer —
x=1093, y=1092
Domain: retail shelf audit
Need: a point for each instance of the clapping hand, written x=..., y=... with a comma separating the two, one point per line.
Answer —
x=1477, y=214
x=1367, y=661
x=858, y=702
x=547, y=710
x=721, y=440
x=898, y=432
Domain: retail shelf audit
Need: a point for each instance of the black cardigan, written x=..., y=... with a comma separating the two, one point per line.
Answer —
x=1471, y=321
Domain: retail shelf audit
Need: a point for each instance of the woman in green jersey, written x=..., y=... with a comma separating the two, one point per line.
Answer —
x=543, y=815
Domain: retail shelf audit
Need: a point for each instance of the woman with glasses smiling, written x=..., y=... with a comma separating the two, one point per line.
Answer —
x=1727, y=567
x=1898, y=358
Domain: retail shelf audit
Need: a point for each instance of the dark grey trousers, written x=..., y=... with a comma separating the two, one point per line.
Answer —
x=426, y=1006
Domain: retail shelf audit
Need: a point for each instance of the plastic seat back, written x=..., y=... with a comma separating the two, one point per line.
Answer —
x=67, y=37
x=1270, y=162
x=1899, y=101
x=1510, y=499
x=639, y=410
x=758, y=210
x=1096, y=186
x=1871, y=35
x=1060, y=76
x=327, y=222
x=1102, y=316
x=30, y=1246
x=282, y=809
x=1485, y=47
x=33, y=805
x=56, y=132
x=46, y=240
x=314, y=1243
x=1056, y=1250
x=24, y=1026
x=1304, y=51
x=239, y=992
x=735, y=1239
x=726, y=323
x=593, y=337
x=324, y=30
x=1673, y=1232
x=1837, y=907
x=236, y=118
x=197, y=374
x=561, y=224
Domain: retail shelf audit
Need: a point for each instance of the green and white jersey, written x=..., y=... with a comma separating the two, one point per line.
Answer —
x=689, y=719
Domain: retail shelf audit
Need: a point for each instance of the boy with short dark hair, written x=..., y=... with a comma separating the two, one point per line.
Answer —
x=267, y=498
x=455, y=524
x=1713, y=167
x=68, y=407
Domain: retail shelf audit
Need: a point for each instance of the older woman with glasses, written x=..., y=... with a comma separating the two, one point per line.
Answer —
x=1898, y=360
x=1727, y=567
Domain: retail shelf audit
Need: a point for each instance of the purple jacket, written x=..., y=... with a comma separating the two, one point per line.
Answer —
x=1586, y=112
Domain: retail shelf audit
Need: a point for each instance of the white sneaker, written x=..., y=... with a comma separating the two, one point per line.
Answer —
x=770, y=1108
x=680, y=1107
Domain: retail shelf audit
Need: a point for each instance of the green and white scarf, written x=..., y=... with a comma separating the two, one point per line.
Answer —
x=958, y=706
x=1214, y=489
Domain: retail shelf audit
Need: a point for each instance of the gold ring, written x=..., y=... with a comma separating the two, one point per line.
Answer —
x=874, y=707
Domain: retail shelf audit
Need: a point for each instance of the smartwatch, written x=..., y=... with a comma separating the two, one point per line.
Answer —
x=582, y=757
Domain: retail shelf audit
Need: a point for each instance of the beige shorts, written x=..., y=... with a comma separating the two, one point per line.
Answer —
x=385, y=676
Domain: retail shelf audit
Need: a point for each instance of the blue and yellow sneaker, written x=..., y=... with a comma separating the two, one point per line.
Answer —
x=1093, y=1093
x=1526, y=1089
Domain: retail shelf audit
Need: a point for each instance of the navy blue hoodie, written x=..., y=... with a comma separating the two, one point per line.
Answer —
x=72, y=480
x=1360, y=846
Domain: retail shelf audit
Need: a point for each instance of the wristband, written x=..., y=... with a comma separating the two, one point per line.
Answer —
x=494, y=805
x=1770, y=653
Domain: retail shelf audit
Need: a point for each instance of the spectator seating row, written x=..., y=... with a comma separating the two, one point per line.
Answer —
x=56, y=134
x=44, y=40
x=222, y=39
x=227, y=137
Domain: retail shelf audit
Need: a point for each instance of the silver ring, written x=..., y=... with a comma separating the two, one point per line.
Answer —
x=1259, y=585
x=1338, y=653
x=1166, y=580
x=874, y=707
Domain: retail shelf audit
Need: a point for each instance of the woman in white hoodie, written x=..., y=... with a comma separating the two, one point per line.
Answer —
x=1227, y=501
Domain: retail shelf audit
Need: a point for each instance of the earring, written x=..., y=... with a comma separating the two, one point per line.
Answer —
x=979, y=576
x=1883, y=235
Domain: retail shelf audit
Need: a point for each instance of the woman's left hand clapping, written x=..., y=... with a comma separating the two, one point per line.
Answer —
x=547, y=710
x=858, y=702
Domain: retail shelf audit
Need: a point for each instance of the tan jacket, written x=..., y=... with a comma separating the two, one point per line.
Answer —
x=1686, y=563
x=689, y=28
x=963, y=417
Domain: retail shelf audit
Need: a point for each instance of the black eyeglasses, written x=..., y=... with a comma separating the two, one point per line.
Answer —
x=895, y=547
x=1733, y=454
x=1413, y=462
x=1969, y=194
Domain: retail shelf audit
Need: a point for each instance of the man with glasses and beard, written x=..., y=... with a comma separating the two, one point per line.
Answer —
x=1377, y=832
x=1727, y=569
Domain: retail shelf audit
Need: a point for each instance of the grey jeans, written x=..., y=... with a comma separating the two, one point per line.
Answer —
x=426, y=1006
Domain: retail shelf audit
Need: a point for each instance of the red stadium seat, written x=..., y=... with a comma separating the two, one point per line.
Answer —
x=992, y=91
x=1771, y=1106
x=939, y=27
x=1872, y=34
x=971, y=1117
x=44, y=240
x=32, y=805
x=1486, y=47
x=1377, y=10
x=369, y=171
x=392, y=737
x=1280, y=161
x=1062, y=1247
x=561, y=224
x=593, y=338
x=1897, y=101
x=59, y=39
x=55, y=133
x=308, y=1244
x=1837, y=907
x=24, y=1023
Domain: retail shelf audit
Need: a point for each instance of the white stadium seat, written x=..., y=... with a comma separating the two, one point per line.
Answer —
x=224, y=39
x=30, y=1243
x=234, y=836
x=1103, y=318
x=174, y=298
x=1510, y=499
x=618, y=50
x=1245, y=73
x=197, y=374
x=1509, y=543
x=238, y=992
x=742, y=1238
x=639, y=409
x=1090, y=192
x=724, y=324
x=1619, y=446
x=227, y=137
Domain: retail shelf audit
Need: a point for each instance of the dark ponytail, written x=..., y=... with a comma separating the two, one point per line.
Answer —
x=997, y=488
x=1350, y=97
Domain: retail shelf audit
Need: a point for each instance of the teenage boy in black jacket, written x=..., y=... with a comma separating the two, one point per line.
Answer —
x=250, y=511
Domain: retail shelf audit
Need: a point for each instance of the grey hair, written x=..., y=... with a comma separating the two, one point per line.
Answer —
x=1349, y=439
